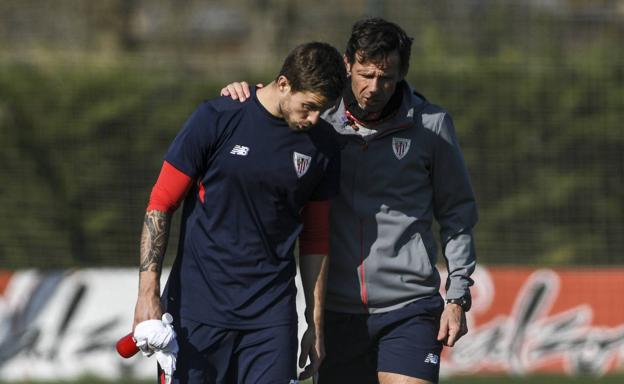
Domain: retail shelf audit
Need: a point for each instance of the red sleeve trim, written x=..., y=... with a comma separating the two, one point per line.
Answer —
x=314, y=238
x=169, y=190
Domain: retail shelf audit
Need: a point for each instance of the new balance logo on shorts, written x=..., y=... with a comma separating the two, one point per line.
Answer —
x=240, y=150
x=432, y=359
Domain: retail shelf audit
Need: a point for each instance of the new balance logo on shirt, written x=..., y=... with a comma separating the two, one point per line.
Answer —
x=240, y=150
x=432, y=359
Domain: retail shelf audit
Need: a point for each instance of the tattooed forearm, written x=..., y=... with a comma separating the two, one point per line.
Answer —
x=154, y=240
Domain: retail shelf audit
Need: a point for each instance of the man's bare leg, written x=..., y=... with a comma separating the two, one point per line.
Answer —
x=395, y=378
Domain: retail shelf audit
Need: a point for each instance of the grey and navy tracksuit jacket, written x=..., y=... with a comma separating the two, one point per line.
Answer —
x=394, y=183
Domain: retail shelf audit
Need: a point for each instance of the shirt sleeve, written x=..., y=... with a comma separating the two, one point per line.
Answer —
x=190, y=150
x=314, y=238
x=455, y=209
x=169, y=190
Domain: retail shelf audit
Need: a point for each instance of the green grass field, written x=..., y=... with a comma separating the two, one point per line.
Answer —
x=537, y=379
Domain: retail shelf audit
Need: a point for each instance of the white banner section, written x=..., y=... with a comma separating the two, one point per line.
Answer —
x=63, y=325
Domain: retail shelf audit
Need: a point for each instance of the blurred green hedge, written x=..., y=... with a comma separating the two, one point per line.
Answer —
x=81, y=147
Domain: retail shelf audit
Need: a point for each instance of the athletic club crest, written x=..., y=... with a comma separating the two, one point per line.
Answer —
x=302, y=163
x=400, y=146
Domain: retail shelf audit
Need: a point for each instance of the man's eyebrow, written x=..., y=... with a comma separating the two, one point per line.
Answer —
x=379, y=72
x=314, y=104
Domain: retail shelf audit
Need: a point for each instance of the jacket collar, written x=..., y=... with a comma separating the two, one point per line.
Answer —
x=345, y=123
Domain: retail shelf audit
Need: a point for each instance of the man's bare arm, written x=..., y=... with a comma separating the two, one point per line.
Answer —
x=313, y=269
x=154, y=239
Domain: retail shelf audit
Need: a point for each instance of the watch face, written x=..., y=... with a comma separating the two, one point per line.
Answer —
x=466, y=303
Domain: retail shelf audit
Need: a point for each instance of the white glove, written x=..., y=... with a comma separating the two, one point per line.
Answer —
x=158, y=337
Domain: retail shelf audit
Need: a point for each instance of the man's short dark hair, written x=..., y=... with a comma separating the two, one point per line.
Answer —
x=372, y=39
x=315, y=67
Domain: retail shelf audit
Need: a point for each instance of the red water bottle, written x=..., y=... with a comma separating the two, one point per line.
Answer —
x=126, y=346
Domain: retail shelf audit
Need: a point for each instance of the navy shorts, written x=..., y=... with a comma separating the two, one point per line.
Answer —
x=212, y=355
x=402, y=341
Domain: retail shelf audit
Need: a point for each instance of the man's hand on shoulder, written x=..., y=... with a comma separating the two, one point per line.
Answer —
x=238, y=90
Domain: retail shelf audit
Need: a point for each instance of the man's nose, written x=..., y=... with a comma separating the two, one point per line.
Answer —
x=373, y=85
x=313, y=117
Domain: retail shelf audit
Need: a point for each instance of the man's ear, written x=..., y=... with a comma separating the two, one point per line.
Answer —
x=283, y=84
x=347, y=64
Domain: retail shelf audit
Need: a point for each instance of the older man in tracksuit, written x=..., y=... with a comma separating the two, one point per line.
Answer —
x=383, y=272
x=402, y=167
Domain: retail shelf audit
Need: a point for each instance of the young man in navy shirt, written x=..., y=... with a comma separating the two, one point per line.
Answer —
x=248, y=172
x=402, y=168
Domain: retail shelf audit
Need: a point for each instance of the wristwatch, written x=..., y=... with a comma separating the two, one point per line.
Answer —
x=465, y=302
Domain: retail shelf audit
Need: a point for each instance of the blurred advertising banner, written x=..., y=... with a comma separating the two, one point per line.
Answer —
x=542, y=320
x=64, y=324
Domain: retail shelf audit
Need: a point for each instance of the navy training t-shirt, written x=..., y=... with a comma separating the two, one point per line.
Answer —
x=235, y=266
